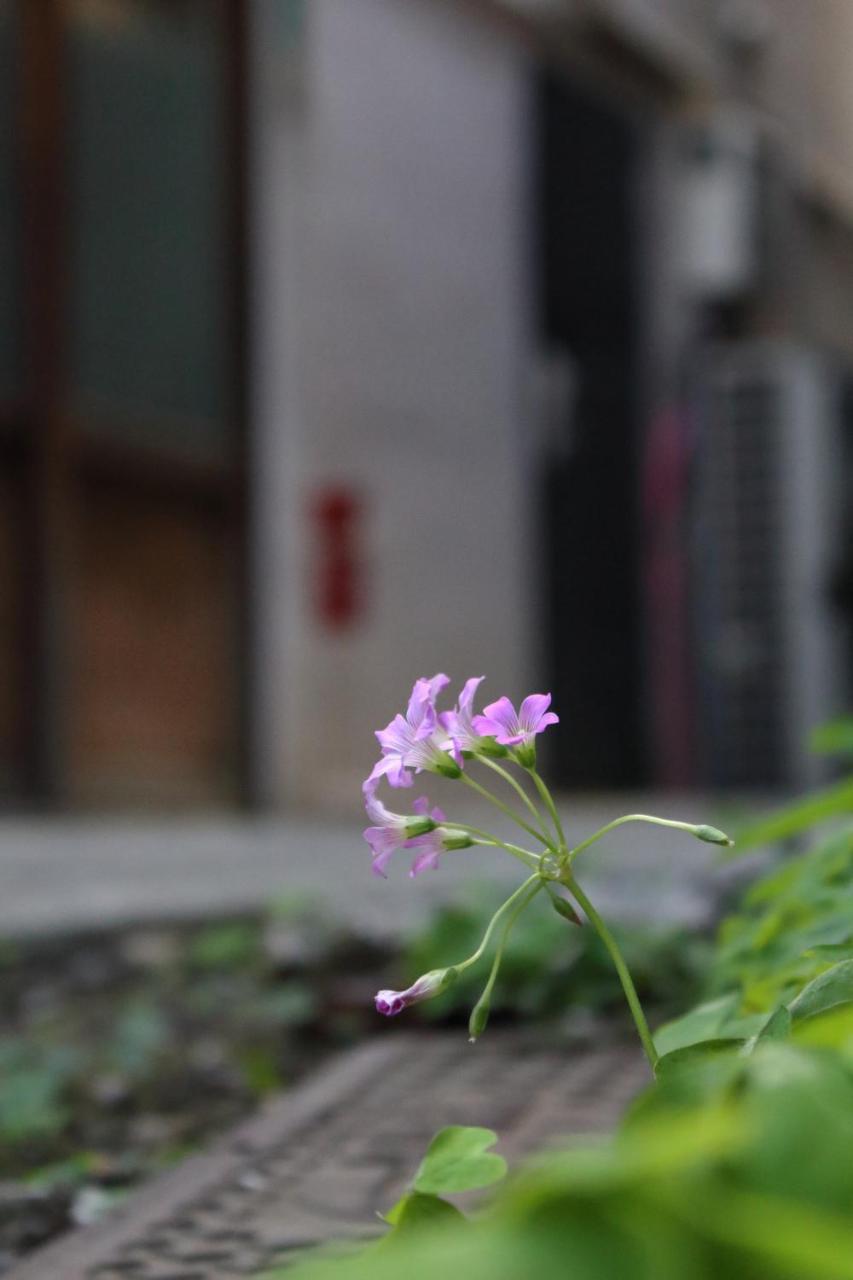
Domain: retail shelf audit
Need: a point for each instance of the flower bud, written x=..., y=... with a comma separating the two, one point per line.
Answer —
x=431, y=984
x=711, y=835
x=479, y=1017
x=565, y=909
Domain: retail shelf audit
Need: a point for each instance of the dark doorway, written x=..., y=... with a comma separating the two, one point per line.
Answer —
x=587, y=316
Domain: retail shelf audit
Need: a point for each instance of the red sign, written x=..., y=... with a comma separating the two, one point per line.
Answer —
x=336, y=519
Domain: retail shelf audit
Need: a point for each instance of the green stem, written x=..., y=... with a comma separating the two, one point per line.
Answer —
x=516, y=785
x=549, y=804
x=495, y=800
x=527, y=856
x=621, y=967
x=631, y=817
x=499, y=914
x=486, y=995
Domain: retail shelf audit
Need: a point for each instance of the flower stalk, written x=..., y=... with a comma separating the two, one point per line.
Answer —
x=619, y=965
x=451, y=744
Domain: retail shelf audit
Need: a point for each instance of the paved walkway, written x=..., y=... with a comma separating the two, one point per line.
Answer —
x=319, y=1162
x=76, y=873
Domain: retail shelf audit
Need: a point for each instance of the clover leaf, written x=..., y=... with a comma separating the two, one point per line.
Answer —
x=458, y=1159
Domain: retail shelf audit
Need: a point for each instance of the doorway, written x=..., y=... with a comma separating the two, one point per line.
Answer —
x=586, y=304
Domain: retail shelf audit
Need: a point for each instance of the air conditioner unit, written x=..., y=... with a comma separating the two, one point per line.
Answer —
x=772, y=650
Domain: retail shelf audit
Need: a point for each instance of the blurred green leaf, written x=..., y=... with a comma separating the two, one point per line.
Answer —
x=232, y=945
x=693, y=1056
x=702, y=1023
x=140, y=1036
x=458, y=1159
x=833, y=987
x=418, y=1210
x=260, y=1070
x=777, y=1027
x=31, y=1105
x=835, y=738
x=794, y=819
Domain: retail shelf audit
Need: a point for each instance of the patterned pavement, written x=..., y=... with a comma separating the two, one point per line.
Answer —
x=319, y=1161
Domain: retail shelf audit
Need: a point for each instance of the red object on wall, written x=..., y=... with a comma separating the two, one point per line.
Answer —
x=336, y=518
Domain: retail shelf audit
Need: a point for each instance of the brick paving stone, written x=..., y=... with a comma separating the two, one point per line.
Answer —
x=318, y=1162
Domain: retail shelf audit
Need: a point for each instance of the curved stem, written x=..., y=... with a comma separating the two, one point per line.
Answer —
x=517, y=787
x=499, y=914
x=621, y=967
x=631, y=817
x=495, y=800
x=527, y=856
x=550, y=805
x=483, y=1003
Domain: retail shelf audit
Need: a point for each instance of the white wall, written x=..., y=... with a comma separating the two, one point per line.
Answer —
x=392, y=344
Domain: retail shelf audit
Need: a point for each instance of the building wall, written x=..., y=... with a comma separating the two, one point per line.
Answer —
x=392, y=333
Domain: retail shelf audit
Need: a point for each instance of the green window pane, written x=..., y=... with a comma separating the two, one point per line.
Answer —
x=147, y=189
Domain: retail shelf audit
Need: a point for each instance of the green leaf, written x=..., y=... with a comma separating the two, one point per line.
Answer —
x=832, y=987
x=232, y=945
x=777, y=1027
x=692, y=1056
x=840, y=950
x=417, y=1210
x=832, y=1029
x=705, y=1022
x=793, y=819
x=458, y=1159
x=835, y=738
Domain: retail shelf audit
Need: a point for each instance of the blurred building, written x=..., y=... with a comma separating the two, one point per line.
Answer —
x=343, y=341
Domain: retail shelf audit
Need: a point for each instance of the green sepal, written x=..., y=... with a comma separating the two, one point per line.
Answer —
x=525, y=754
x=419, y=827
x=457, y=840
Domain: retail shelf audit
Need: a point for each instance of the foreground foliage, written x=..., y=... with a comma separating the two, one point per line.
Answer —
x=738, y=1159
x=743, y=1171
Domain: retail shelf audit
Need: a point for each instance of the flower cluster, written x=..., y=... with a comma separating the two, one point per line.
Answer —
x=448, y=743
x=426, y=739
x=438, y=741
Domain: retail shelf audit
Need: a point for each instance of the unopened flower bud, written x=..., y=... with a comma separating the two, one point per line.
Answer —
x=431, y=984
x=711, y=835
x=565, y=909
x=479, y=1017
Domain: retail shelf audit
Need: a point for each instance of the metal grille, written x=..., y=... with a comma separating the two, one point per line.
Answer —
x=742, y=589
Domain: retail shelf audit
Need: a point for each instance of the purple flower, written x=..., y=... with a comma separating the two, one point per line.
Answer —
x=429, y=849
x=430, y=984
x=417, y=740
x=459, y=722
x=394, y=831
x=512, y=728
